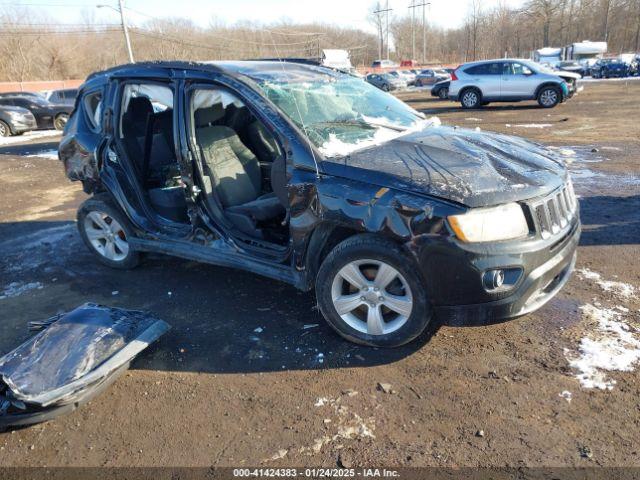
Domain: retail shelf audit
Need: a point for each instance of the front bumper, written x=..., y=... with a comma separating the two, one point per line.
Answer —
x=23, y=125
x=544, y=273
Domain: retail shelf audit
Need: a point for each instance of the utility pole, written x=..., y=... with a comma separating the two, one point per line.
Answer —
x=385, y=10
x=413, y=7
x=413, y=30
x=125, y=29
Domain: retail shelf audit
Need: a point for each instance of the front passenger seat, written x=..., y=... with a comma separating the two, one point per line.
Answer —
x=235, y=173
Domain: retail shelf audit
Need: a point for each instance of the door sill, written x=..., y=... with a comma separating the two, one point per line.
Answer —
x=219, y=253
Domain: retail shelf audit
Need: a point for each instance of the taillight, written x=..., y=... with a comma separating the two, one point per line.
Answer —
x=454, y=77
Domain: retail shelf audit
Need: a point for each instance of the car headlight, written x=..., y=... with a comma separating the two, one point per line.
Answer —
x=503, y=222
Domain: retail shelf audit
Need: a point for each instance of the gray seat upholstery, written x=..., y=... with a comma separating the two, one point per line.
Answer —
x=234, y=172
x=262, y=142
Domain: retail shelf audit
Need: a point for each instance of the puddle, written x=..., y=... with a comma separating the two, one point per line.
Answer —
x=585, y=180
x=562, y=312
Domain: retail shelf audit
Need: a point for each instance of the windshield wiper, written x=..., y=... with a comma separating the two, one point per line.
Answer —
x=361, y=123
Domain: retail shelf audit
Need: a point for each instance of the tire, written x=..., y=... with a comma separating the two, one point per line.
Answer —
x=549, y=96
x=385, y=88
x=470, y=98
x=105, y=230
x=443, y=93
x=5, y=130
x=402, y=288
x=60, y=121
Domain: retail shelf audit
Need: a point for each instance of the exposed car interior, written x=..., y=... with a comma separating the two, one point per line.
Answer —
x=146, y=130
x=243, y=167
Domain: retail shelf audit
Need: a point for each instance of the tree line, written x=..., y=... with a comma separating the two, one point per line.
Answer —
x=517, y=32
x=34, y=47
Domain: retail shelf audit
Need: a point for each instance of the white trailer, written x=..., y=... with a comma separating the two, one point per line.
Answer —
x=585, y=50
x=549, y=55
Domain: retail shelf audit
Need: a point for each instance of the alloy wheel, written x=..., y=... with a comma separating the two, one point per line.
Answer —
x=4, y=130
x=60, y=121
x=549, y=97
x=372, y=297
x=106, y=236
x=470, y=99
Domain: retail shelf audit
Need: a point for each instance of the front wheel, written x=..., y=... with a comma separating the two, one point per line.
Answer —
x=369, y=291
x=106, y=231
x=5, y=131
x=548, y=97
x=443, y=93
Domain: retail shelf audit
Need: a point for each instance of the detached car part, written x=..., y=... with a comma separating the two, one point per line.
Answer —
x=75, y=357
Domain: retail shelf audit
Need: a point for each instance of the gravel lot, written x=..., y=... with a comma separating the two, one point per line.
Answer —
x=251, y=375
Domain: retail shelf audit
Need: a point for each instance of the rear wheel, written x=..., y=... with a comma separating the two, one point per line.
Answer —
x=106, y=231
x=5, y=131
x=60, y=121
x=549, y=97
x=471, y=98
x=369, y=291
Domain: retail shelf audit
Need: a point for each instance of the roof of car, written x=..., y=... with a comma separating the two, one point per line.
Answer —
x=494, y=60
x=259, y=70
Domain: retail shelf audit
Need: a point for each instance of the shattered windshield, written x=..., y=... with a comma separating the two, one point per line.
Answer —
x=342, y=114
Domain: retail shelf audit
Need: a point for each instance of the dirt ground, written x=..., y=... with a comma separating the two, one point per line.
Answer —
x=240, y=381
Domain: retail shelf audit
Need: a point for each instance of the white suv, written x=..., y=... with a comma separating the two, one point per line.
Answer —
x=478, y=83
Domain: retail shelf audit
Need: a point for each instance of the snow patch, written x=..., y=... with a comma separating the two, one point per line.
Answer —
x=49, y=154
x=619, y=289
x=29, y=136
x=566, y=394
x=15, y=289
x=530, y=125
x=334, y=147
x=349, y=426
x=613, y=346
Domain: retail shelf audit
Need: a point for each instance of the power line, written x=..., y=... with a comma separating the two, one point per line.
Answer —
x=47, y=4
x=217, y=48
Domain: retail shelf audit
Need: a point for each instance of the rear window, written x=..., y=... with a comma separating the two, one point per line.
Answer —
x=485, y=69
x=92, y=102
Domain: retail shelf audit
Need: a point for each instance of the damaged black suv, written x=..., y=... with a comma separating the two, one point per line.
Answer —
x=315, y=178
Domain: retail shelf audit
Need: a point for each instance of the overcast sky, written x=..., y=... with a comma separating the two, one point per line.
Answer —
x=446, y=13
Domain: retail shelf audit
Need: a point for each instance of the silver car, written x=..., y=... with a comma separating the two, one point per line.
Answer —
x=509, y=80
x=385, y=81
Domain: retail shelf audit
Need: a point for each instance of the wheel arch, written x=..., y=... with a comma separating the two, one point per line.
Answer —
x=324, y=238
x=556, y=85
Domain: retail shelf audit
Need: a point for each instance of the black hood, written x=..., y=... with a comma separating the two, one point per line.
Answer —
x=466, y=166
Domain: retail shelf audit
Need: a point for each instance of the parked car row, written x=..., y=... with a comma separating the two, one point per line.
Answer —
x=22, y=112
x=395, y=79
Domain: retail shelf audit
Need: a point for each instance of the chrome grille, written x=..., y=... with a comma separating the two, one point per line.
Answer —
x=555, y=212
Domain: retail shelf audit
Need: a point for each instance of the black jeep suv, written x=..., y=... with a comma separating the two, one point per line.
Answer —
x=315, y=178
